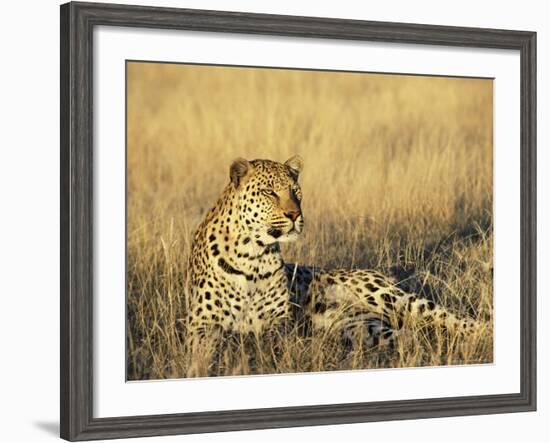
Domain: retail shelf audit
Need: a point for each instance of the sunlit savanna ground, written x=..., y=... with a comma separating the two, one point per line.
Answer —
x=397, y=177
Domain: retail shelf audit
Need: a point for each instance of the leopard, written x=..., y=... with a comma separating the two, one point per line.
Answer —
x=239, y=283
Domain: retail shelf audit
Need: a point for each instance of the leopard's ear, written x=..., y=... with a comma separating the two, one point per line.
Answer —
x=295, y=163
x=239, y=168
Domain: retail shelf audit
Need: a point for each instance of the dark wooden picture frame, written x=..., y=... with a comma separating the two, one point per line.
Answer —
x=77, y=23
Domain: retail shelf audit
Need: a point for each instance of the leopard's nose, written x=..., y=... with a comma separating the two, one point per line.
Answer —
x=292, y=215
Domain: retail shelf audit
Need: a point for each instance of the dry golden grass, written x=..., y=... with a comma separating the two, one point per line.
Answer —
x=398, y=177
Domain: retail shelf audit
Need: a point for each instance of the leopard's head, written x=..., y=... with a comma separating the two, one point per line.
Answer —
x=269, y=198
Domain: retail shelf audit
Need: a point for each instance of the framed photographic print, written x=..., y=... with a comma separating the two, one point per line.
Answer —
x=272, y=221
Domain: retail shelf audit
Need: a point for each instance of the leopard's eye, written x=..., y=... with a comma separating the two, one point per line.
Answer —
x=270, y=192
x=297, y=194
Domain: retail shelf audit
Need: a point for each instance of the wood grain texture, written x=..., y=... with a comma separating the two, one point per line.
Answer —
x=77, y=22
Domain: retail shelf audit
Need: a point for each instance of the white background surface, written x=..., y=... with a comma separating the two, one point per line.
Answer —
x=113, y=397
x=29, y=171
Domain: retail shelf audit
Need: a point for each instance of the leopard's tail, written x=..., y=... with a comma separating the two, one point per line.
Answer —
x=437, y=315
